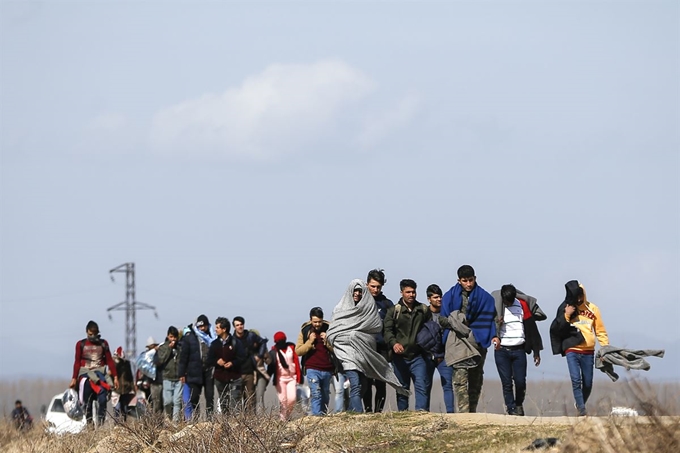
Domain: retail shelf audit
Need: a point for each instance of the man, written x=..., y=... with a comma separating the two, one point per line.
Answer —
x=22, y=419
x=227, y=356
x=92, y=358
x=430, y=338
x=477, y=309
x=402, y=323
x=577, y=325
x=252, y=343
x=315, y=353
x=375, y=282
x=167, y=357
x=516, y=316
x=193, y=369
x=352, y=335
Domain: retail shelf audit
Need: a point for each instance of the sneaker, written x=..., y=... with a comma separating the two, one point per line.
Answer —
x=511, y=411
x=581, y=413
x=520, y=411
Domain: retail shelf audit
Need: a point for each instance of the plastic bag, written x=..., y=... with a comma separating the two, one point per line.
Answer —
x=146, y=364
x=72, y=405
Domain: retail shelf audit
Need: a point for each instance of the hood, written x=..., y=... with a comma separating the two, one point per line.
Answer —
x=573, y=288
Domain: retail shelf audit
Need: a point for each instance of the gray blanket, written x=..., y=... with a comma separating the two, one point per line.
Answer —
x=630, y=359
x=352, y=334
x=460, y=349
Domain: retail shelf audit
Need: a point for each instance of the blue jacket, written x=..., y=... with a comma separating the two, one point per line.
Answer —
x=481, y=311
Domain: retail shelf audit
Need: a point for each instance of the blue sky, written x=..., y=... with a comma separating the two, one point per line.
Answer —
x=253, y=158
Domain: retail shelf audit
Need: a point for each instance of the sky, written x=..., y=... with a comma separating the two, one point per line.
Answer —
x=253, y=158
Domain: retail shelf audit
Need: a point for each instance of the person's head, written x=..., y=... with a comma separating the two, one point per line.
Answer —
x=316, y=318
x=17, y=404
x=92, y=330
x=408, y=290
x=575, y=294
x=466, y=277
x=508, y=294
x=173, y=333
x=222, y=326
x=239, y=324
x=151, y=343
x=202, y=323
x=280, y=340
x=357, y=294
x=434, y=296
x=375, y=281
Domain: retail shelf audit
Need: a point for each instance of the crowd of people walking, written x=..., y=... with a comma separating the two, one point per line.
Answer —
x=369, y=343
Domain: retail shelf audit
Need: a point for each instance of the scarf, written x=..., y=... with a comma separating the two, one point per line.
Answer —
x=352, y=334
x=480, y=312
x=205, y=338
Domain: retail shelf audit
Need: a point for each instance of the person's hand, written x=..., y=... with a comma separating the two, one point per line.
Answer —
x=569, y=310
x=496, y=343
x=115, y=382
x=312, y=337
x=172, y=343
x=220, y=362
x=323, y=336
x=229, y=364
x=73, y=383
x=398, y=348
x=183, y=380
x=537, y=360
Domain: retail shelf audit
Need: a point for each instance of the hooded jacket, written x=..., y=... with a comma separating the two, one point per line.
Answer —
x=578, y=333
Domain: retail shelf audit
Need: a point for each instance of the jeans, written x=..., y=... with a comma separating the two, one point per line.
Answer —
x=172, y=398
x=260, y=389
x=581, y=373
x=355, y=404
x=89, y=397
x=319, y=385
x=415, y=370
x=511, y=364
x=340, y=391
x=229, y=394
x=446, y=377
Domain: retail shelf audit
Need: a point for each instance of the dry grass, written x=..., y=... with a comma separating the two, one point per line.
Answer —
x=656, y=432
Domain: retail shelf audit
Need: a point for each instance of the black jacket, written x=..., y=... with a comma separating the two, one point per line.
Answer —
x=562, y=334
x=231, y=351
x=192, y=359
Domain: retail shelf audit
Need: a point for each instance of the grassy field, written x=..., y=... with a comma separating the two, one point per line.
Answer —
x=389, y=432
x=549, y=406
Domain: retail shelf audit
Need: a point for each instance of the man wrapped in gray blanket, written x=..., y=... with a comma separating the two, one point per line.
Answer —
x=352, y=334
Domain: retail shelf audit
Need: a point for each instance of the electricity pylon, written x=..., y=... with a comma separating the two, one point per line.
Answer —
x=130, y=305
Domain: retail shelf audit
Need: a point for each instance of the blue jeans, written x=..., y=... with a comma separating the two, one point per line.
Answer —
x=339, y=385
x=512, y=366
x=446, y=377
x=320, y=388
x=172, y=398
x=581, y=373
x=415, y=369
x=355, y=402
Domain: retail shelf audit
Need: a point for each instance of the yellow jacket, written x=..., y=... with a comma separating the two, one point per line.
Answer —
x=589, y=323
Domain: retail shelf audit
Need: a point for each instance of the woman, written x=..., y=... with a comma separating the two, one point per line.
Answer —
x=352, y=334
x=285, y=369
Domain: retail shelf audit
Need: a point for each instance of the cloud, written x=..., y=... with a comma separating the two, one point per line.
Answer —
x=277, y=112
x=378, y=127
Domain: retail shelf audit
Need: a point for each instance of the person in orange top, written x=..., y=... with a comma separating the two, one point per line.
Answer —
x=573, y=333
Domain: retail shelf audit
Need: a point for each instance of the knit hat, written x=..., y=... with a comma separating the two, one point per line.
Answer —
x=151, y=342
x=202, y=321
x=119, y=352
x=279, y=336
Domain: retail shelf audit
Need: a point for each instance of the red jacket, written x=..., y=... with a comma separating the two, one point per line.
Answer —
x=90, y=355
